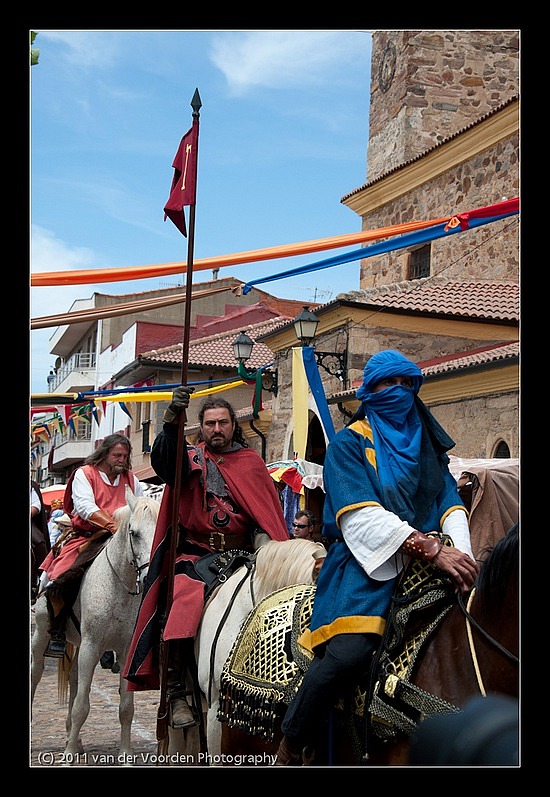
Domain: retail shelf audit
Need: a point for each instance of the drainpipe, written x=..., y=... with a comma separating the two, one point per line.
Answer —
x=262, y=436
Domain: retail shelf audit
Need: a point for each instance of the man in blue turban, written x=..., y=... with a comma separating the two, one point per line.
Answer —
x=387, y=485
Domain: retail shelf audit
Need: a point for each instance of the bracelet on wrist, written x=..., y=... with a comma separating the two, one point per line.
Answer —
x=420, y=546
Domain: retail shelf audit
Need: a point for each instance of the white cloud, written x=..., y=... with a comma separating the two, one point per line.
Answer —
x=49, y=253
x=83, y=48
x=283, y=59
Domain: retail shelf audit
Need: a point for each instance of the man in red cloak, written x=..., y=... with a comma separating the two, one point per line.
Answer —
x=228, y=501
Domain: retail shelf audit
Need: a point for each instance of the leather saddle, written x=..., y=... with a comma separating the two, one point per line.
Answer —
x=215, y=568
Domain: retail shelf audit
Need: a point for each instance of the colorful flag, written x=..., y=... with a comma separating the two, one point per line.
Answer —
x=307, y=382
x=184, y=183
x=125, y=409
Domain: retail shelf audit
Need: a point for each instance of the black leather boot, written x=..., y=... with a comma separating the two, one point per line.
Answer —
x=179, y=660
x=57, y=644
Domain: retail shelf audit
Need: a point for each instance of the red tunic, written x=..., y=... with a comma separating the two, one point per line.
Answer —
x=108, y=497
x=252, y=502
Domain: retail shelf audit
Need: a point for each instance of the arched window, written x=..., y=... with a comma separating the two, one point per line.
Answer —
x=502, y=451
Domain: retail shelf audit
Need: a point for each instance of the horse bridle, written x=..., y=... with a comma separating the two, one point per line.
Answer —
x=137, y=567
x=492, y=641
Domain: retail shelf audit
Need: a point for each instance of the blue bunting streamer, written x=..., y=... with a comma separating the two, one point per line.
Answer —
x=390, y=245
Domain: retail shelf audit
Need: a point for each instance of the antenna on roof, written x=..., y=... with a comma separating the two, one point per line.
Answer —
x=319, y=294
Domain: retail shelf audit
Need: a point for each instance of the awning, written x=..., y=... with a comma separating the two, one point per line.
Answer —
x=52, y=492
x=298, y=474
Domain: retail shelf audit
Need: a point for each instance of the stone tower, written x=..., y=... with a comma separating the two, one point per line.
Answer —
x=428, y=85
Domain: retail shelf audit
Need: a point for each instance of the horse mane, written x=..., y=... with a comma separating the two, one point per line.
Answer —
x=122, y=514
x=145, y=511
x=500, y=564
x=279, y=564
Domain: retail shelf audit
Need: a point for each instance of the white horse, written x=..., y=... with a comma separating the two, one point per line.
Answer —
x=106, y=609
x=277, y=565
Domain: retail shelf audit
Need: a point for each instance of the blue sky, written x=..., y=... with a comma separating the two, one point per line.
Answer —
x=283, y=136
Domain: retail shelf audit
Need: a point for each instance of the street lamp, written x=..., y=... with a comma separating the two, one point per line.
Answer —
x=334, y=363
x=242, y=349
x=305, y=326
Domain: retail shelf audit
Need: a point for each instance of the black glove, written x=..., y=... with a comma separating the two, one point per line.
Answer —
x=180, y=401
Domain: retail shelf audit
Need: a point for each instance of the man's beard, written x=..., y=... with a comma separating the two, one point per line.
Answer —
x=217, y=442
x=119, y=469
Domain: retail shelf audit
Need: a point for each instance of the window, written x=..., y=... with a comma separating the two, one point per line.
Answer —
x=419, y=262
x=502, y=451
x=145, y=429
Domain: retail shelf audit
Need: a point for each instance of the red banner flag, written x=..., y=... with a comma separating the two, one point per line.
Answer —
x=184, y=182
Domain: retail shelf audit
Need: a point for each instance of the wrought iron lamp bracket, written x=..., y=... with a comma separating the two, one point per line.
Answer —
x=334, y=363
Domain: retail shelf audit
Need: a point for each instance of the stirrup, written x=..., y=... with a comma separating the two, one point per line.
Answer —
x=56, y=649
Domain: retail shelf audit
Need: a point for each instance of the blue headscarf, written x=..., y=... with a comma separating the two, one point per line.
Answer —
x=388, y=363
x=397, y=429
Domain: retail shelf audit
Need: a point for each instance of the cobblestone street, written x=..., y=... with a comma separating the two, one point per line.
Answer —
x=101, y=732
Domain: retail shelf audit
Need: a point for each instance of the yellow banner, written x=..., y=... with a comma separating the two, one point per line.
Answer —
x=300, y=392
x=166, y=395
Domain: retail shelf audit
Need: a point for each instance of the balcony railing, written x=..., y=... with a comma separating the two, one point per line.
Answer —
x=84, y=361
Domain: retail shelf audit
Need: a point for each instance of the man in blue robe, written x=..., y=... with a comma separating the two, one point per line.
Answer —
x=387, y=485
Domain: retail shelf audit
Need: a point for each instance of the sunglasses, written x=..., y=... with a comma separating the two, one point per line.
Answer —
x=298, y=526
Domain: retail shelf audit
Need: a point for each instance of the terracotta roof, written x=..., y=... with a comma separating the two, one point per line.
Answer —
x=430, y=149
x=481, y=299
x=215, y=350
x=482, y=356
x=285, y=307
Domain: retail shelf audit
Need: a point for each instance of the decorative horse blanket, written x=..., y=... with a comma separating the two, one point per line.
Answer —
x=267, y=662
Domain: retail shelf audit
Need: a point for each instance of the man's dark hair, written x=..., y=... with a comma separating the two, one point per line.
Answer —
x=104, y=448
x=310, y=517
x=213, y=403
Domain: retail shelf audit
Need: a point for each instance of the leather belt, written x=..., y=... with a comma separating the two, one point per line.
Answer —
x=219, y=541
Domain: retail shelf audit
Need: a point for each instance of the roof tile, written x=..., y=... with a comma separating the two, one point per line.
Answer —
x=483, y=299
x=216, y=350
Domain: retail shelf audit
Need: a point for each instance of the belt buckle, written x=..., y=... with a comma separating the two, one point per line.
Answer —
x=221, y=540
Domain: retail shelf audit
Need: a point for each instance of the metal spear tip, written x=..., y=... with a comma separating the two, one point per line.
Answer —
x=196, y=103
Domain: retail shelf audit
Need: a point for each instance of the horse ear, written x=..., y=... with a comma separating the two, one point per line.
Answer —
x=131, y=499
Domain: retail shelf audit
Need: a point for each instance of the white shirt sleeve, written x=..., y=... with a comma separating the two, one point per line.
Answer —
x=83, y=495
x=374, y=536
x=456, y=526
x=35, y=500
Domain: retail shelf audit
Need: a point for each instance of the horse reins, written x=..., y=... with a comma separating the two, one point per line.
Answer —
x=137, y=568
x=492, y=641
x=249, y=566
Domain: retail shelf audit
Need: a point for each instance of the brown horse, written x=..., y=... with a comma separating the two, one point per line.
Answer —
x=473, y=651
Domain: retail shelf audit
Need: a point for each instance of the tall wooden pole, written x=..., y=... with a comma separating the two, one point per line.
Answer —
x=162, y=714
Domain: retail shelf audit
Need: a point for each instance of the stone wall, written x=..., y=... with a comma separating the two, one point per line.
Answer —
x=443, y=80
x=477, y=425
x=490, y=252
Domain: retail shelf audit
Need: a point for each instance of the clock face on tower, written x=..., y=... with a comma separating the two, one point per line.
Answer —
x=386, y=69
